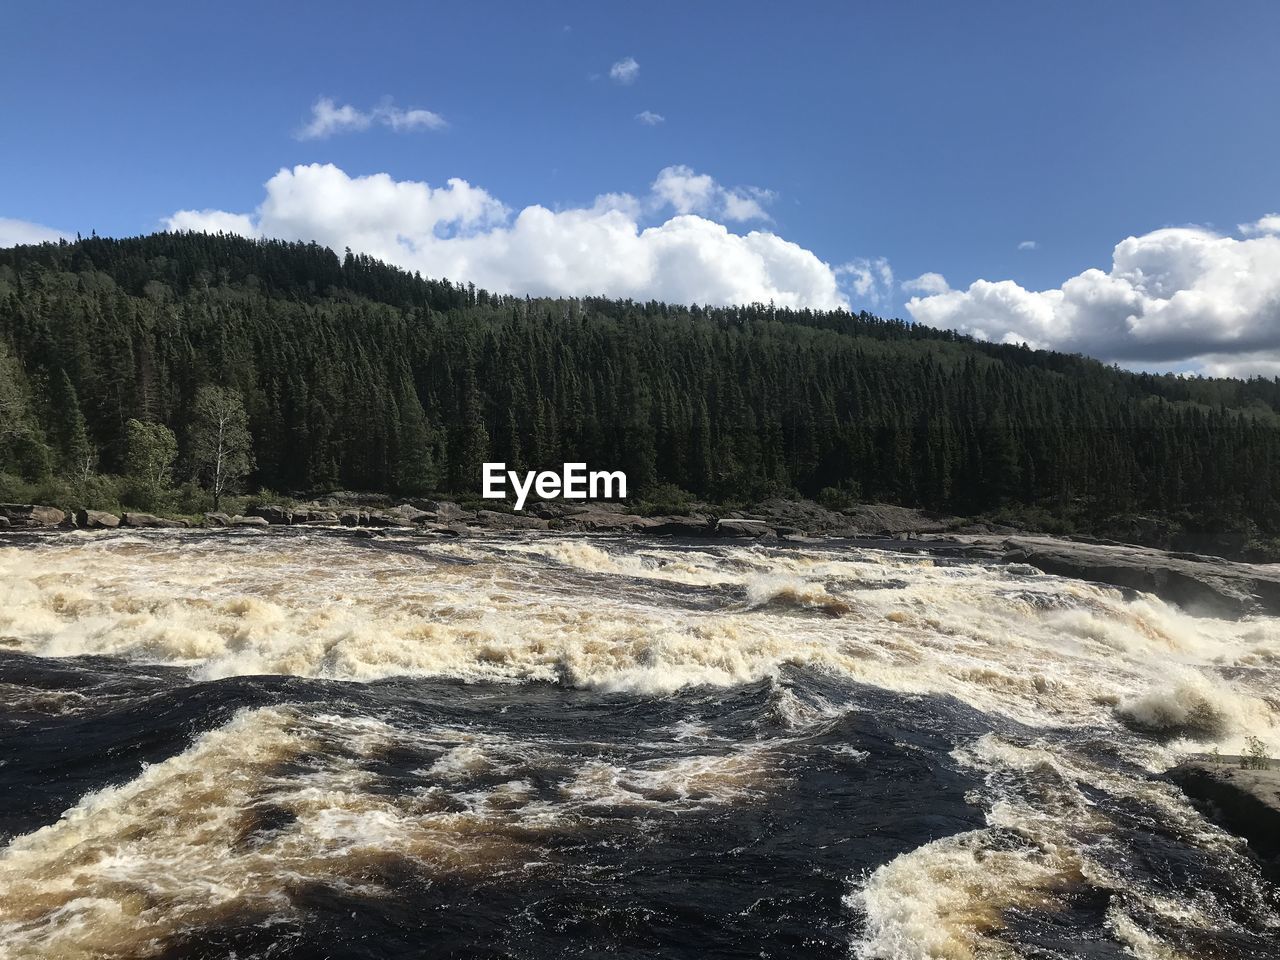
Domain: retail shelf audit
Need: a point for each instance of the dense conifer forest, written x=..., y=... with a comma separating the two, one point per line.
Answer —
x=348, y=373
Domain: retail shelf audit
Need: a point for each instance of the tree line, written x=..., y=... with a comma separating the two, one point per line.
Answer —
x=321, y=371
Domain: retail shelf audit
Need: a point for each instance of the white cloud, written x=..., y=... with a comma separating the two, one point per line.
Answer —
x=1175, y=294
x=327, y=119
x=406, y=120
x=685, y=191
x=14, y=233
x=213, y=221
x=625, y=70
x=649, y=118
x=1268, y=224
x=462, y=232
x=871, y=280
x=927, y=284
x=1027, y=245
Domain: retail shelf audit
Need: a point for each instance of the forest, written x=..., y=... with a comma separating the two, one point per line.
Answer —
x=186, y=366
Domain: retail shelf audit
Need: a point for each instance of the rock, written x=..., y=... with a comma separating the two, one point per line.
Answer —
x=4, y=522
x=367, y=518
x=495, y=520
x=217, y=519
x=447, y=511
x=732, y=527
x=546, y=510
x=273, y=513
x=96, y=520
x=411, y=514
x=1245, y=802
x=31, y=515
x=239, y=521
x=605, y=522
x=1201, y=585
x=139, y=520
x=694, y=525
x=573, y=508
x=314, y=516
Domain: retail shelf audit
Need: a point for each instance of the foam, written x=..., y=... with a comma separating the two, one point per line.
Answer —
x=1041, y=650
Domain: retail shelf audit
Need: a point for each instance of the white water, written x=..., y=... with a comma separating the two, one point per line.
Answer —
x=1049, y=653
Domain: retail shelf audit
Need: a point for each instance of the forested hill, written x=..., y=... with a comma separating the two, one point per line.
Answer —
x=357, y=375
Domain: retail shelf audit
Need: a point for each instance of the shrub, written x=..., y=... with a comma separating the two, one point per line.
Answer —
x=1255, y=755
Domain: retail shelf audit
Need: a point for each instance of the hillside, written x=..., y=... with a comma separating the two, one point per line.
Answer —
x=357, y=375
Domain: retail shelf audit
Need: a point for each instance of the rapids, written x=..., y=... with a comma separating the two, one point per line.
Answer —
x=302, y=743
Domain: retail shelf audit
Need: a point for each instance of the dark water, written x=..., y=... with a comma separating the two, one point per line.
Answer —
x=672, y=875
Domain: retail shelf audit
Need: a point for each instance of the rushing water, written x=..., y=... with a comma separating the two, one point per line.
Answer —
x=299, y=745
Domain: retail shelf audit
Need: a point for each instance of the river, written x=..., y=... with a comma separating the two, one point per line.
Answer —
x=309, y=744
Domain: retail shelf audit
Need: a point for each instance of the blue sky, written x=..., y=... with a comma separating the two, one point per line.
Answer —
x=927, y=137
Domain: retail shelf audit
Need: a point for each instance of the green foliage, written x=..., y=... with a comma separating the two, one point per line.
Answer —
x=663, y=499
x=1255, y=756
x=356, y=375
x=835, y=498
x=220, y=447
x=150, y=450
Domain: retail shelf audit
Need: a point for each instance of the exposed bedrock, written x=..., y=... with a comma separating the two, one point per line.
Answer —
x=1245, y=802
x=1202, y=585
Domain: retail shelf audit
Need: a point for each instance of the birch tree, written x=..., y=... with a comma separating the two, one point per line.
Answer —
x=221, y=448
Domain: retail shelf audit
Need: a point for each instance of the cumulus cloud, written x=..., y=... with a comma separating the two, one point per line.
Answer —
x=870, y=280
x=14, y=233
x=927, y=284
x=1175, y=294
x=686, y=191
x=625, y=71
x=328, y=118
x=649, y=118
x=1027, y=245
x=462, y=232
x=1268, y=224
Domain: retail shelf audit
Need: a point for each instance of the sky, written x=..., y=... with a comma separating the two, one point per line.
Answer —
x=1089, y=176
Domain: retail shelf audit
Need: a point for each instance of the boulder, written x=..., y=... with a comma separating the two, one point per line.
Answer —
x=731, y=527
x=217, y=519
x=238, y=521
x=447, y=511
x=694, y=525
x=139, y=520
x=367, y=518
x=4, y=522
x=273, y=513
x=96, y=520
x=411, y=514
x=31, y=515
